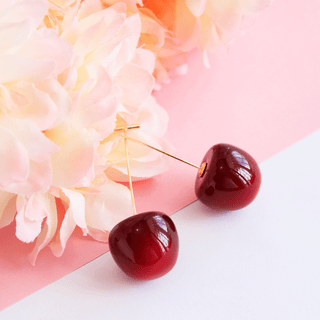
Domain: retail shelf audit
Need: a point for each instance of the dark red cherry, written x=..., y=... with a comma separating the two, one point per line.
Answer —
x=145, y=246
x=229, y=178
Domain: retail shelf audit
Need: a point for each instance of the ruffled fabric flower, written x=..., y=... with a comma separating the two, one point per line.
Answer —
x=207, y=24
x=80, y=74
x=144, y=162
x=112, y=86
x=155, y=37
x=29, y=60
x=72, y=71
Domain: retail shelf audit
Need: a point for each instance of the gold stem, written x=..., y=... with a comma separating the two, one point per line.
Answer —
x=132, y=126
x=167, y=154
x=128, y=170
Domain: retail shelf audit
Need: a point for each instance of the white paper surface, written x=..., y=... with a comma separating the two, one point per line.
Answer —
x=260, y=263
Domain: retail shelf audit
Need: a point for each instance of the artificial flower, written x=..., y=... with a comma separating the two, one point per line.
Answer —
x=80, y=74
x=71, y=71
x=209, y=25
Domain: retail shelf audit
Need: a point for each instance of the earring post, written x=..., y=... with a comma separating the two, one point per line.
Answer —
x=132, y=126
x=161, y=151
x=128, y=170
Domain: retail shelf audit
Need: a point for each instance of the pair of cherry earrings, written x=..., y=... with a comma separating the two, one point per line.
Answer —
x=145, y=246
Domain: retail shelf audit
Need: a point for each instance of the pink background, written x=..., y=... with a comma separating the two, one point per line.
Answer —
x=263, y=96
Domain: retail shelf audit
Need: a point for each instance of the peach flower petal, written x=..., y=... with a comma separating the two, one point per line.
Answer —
x=196, y=6
x=63, y=3
x=226, y=15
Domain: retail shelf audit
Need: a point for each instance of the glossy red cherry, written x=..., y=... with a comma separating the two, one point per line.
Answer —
x=229, y=178
x=145, y=246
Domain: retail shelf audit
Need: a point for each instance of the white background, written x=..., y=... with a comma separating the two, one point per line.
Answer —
x=261, y=262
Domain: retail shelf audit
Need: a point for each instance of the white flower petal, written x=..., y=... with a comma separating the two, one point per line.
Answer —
x=6, y=102
x=15, y=68
x=143, y=170
x=106, y=55
x=4, y=4
x=254, y=6
x=39, y=147
x=226, y=15
x=132, y=4
x=20, y=10
x=38, y=180
x=14, y=159
x=105, y=127
x=68, y=77
x=30, y=214
x=88, y=17
x=89, y=7
x=132, y=30
x=136, y=151
x=99, y=235
x=100, y=89
x=41, y=110
x=59, y=96
x=73, y=164
x=70, y=25
x=97, y=109
x=75, y=215
x=101, y=114
x=45, y=44
x=136, y=83
x=107, y=31
x=145, y=59
x=13, y=36
x=77, y=207
x=63, y=3
x=67, y=227
x=82, y=43
x=152, y=117
x=49, y=228
x=112, y=205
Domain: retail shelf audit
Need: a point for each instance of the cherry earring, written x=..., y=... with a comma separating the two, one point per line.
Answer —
x=144, y=246
x=228, y=179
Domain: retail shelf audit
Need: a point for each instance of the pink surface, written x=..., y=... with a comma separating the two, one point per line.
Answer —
x=263, y=96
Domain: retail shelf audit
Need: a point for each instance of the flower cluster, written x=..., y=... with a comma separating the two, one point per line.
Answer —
x=72, y=71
